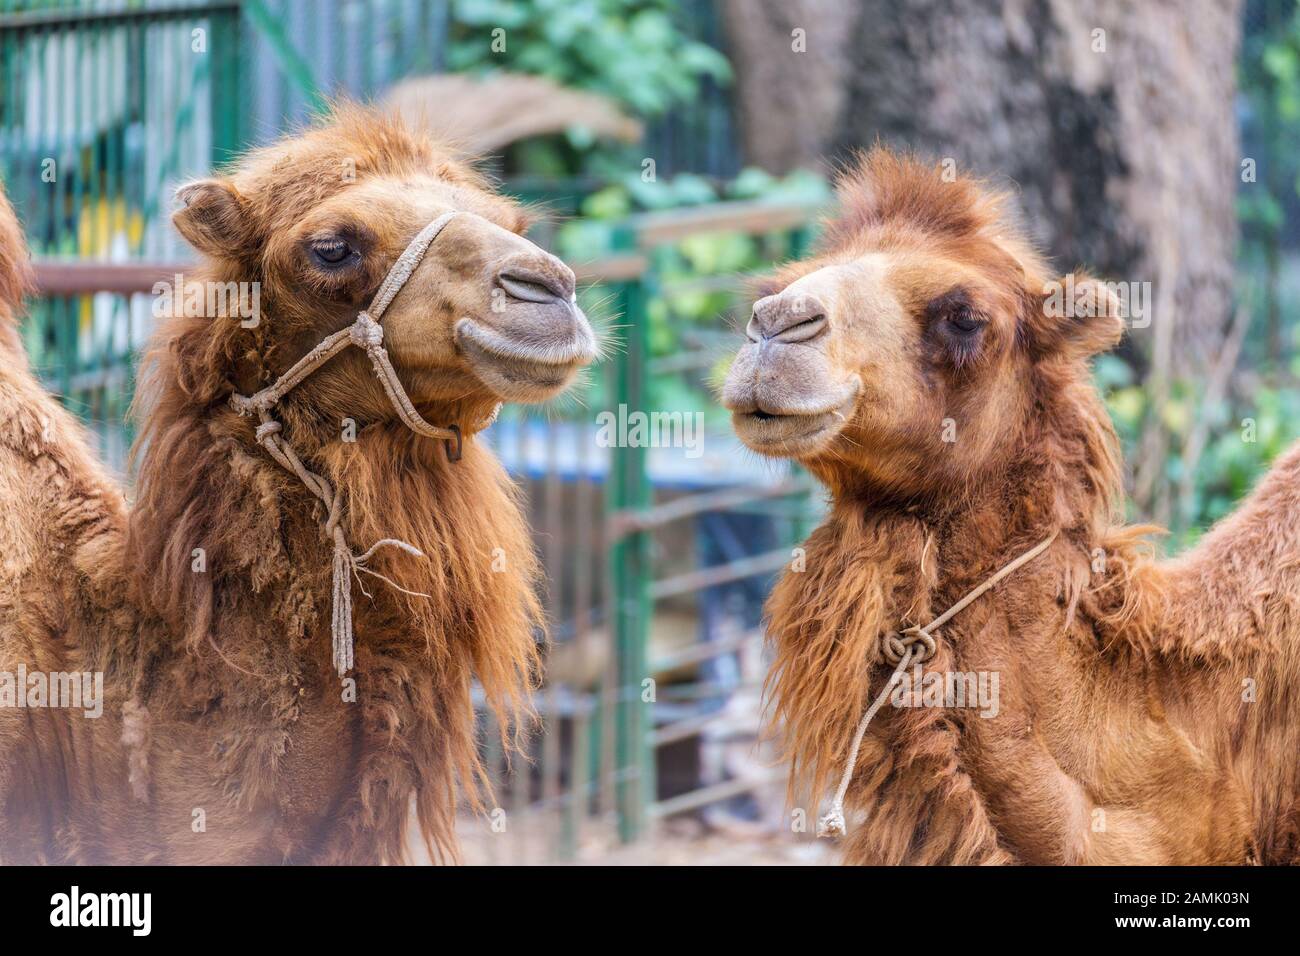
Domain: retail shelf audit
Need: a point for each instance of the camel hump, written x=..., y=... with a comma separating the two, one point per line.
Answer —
x=16, y=277
x=479, y=115
x=40, y=440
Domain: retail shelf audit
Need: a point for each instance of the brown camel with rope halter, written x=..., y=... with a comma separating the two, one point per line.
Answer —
x=255, y=709
x=927, y=367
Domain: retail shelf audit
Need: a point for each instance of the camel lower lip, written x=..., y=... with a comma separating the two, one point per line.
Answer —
x=575, y=349
x=519, y=370
x=783, y=434
x=791, y=434
x=510, y=367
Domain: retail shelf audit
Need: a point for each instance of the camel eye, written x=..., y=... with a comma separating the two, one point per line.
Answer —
x=331, y=252
x=964, y=321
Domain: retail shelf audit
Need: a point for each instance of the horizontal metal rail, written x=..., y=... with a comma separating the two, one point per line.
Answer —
x=703, y=652
x=684, y=362
x=82, y=17
x=56, y=277
x=629, y=522
x=753, y=216
x=618, y=268
x=737, y=570
x=684, y=729
x=711, y=794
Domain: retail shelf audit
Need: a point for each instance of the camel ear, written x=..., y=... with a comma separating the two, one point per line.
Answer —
x=211, y=217
x=1078, y=316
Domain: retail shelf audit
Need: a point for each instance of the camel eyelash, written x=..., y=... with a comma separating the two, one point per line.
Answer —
x=957, y=326
x=333, y=252
x=337, y=249
x=965, y=321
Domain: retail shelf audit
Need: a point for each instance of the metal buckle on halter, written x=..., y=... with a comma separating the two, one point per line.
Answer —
x=454, y=455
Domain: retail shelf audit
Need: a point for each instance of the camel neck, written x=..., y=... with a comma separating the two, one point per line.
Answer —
x=230, y=566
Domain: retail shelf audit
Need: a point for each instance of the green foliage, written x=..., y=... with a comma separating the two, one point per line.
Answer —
x=1270, y=132
x=630, y=50
x=1243, y=437
x=636, y=52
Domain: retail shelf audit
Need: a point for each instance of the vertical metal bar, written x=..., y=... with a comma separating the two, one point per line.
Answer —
x=629, y=571
x=492, y=764
x=520, y=822
x=607, y=802
x=583, y=548
x=554, y=553
x=441, y=37
x=225, y=105
x=579, y=781
x=368, y=50
x=291, y=62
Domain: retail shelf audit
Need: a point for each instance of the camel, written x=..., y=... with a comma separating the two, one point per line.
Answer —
x=227, y=734
x=923, y=365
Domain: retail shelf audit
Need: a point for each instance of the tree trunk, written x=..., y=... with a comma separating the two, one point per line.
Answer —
x=788, y=99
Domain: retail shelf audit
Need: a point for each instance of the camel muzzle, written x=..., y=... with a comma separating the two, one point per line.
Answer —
x=533, y=340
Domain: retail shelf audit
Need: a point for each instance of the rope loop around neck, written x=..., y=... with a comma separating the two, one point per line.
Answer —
x=913, y=645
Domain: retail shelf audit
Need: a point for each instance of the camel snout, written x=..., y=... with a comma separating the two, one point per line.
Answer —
x=534, y=337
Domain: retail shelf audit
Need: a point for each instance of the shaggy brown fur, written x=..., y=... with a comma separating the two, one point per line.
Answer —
x=15, y=273
x=1148, y=709
x=220, y=696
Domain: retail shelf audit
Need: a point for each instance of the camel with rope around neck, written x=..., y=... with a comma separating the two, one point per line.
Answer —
x=932, y=373
x=314, y=567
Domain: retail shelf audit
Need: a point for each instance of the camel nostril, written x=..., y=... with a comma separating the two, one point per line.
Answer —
x=809, y=328
x=781, y=318
x=527, y=290
x=529, y=285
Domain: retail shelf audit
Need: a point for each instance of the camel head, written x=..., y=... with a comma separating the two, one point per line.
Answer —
x=913, y=348
x=319, y=219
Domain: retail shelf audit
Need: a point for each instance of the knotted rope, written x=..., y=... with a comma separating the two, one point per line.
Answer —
x=900, y=649
x=364, y=333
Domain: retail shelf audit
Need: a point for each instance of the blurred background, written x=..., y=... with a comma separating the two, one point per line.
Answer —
x=679, y=147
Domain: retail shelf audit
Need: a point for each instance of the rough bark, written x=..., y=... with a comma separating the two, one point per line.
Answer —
x=788, y=103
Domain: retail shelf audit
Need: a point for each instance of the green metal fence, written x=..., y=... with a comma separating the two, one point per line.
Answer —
x=101, y=110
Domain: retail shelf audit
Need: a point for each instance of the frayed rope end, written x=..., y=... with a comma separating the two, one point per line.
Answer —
x=831, y=824
x=347, y=564
x=341, y=622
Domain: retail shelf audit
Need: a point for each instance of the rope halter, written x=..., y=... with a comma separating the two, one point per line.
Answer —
x=913, y=645
x=367, y=334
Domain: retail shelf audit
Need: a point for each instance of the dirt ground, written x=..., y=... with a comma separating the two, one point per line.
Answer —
x=681, y=842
